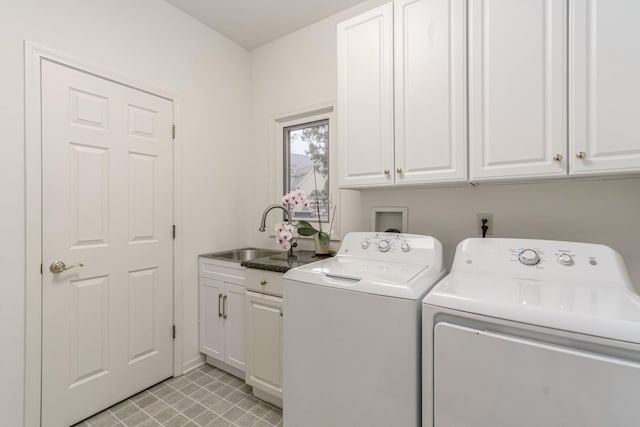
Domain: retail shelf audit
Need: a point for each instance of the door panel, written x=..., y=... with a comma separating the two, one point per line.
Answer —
x=517, y=88
x=235, y=326
x=107, y=203
x=430, y=91
x=365, y=98
x=604, y=69
x=212, y=322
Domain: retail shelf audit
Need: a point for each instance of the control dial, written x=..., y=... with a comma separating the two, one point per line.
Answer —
x=529, y=257
x=384, y=245
x=565, y=259
x=405, y=247
x=364, y=244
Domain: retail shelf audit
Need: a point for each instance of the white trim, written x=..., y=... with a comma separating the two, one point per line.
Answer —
x=34, y=54
x=193, y=364
x=321, y=111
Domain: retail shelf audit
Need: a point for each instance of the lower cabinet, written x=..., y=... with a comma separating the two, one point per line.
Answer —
x=264, y=345
x=222, y=322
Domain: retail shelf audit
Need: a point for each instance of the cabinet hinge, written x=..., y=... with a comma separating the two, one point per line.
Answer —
x=174, y=232
x=173, y=332
x=173, y=132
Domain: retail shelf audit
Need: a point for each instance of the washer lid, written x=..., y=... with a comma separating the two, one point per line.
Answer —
x=409, y=281
x=587, y=309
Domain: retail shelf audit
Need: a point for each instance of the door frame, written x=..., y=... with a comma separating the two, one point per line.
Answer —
x=34, y=55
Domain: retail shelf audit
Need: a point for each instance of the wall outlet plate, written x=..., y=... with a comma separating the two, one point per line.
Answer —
x=489, y=218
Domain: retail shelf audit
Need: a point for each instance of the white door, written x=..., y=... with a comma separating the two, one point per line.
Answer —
x=212, y=323
x=264, y=343
x=517, y=89
x=365, y=99
x=234, y=306
x=430, y=91
x=604, y=87
x=106, y=203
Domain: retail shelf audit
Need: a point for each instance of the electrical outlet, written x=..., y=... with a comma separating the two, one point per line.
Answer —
x=489, y=218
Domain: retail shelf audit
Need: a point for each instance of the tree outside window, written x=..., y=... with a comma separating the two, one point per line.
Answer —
x=306, y=160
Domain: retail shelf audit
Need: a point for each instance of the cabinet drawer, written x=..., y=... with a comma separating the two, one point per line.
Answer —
x=224, y=271
x=262, y=281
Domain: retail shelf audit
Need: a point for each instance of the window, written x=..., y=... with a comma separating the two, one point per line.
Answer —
x=306, y=167
x=304, y=149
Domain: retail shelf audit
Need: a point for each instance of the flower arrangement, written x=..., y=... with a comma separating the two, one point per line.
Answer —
x=284, y=232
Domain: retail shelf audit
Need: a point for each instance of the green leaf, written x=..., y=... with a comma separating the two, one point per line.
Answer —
x=306, y=231
x=304, y=224
x=324, y=238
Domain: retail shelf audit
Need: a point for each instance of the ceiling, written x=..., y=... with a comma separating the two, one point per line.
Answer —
x=252, y=23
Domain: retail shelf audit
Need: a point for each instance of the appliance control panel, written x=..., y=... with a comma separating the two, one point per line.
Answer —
x=392, y=247
x=540, y=260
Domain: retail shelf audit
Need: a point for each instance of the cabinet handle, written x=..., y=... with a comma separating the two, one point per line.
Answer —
x=558, y=157
x=224, y=307
x=263, y=282
x=386, y=171
x=581, y=155
x=219, y=305
x=399, y=170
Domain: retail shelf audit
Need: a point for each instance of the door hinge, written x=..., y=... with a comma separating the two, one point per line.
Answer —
x=173, y=132
x=174, y=232
x=40, y=268
x=174, y=332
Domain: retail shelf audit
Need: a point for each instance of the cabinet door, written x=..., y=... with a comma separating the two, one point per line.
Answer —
x=604, y=86
x=365, y=99
x=517, y=88
x=212, y=324
x=430, y=91
x=264, y=343
x=234, y=324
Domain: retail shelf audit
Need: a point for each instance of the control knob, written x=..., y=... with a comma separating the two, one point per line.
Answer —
x=565, y=259
x=405, y=247
x=529, y=257
x=364, y=244
x=384, y=245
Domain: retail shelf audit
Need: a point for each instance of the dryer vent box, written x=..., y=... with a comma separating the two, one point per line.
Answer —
x=385, y=218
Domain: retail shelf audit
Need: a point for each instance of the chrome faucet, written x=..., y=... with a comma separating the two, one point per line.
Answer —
x=263, y=223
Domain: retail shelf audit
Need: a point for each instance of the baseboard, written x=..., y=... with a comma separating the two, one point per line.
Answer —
x=192, y=364
x=267, y=397
x=227, y=368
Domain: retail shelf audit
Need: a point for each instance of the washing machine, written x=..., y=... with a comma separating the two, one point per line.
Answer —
x=532, y=333
x=352, y=332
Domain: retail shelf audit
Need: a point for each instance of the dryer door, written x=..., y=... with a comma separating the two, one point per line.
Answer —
x=484, y=379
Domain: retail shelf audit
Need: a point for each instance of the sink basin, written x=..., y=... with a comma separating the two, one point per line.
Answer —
x=245, y=254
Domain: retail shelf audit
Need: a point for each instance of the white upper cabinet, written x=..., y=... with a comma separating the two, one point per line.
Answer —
x=604, y=86
x=517, y=89
x=402, y=65
x=430, y=91
x=365, y=98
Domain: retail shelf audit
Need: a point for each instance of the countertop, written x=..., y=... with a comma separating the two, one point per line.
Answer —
x=281, y=264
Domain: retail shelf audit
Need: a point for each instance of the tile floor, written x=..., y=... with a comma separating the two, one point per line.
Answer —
x=206, y=396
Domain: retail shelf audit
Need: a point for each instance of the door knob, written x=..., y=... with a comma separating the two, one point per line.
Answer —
x=386, y=171
x=399, y=170
x=59, y=266
x=557, y=157
x=581, y=155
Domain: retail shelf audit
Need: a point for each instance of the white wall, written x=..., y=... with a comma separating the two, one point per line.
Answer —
x=300, y=69
x=152, y=42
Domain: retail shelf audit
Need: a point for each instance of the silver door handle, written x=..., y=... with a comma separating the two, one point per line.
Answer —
x=224, y=307
x=59, y=266
x=219, y=304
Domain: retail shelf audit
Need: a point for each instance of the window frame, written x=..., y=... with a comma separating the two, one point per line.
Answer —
x=286, y=155
x=300, y=117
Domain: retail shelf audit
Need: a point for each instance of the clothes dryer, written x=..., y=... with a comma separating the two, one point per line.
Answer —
x=532, y=333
